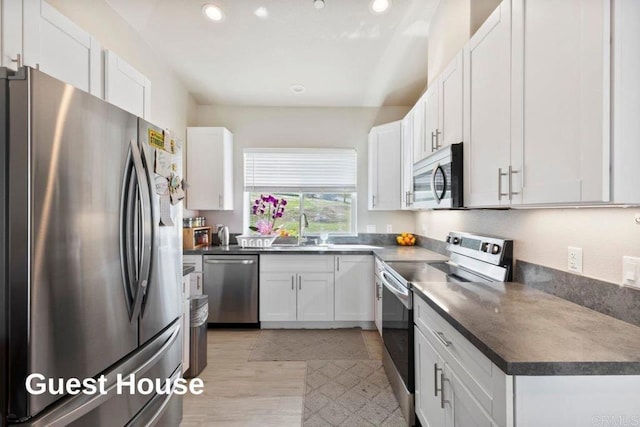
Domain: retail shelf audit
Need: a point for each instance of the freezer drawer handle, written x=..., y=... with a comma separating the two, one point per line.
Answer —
x=159, y=401
x=230, y=261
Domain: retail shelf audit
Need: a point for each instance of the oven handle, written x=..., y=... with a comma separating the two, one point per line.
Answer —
x=396, y=289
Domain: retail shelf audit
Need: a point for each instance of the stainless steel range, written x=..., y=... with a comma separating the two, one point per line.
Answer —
x=472, y=258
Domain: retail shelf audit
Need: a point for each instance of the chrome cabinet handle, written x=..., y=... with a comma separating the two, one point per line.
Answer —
x=292, y=285
x=338, y=263
x=511, y=192
x=17, y=60
x=198, y=282
x=299, y=282
x=500, y=175
x=442, y=338
x=442, y=380
x=433, y=143
x=373, y=201
x=435, y=380
x=438, y=133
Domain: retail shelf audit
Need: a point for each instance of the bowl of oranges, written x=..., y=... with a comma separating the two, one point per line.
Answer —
x=406, y=239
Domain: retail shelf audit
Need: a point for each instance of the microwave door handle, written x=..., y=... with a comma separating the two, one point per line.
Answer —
x=436, y=196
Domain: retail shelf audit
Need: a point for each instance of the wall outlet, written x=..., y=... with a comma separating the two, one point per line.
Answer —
x=631, y=271
x=371, y=228
x=389, y=228
x=575, y=260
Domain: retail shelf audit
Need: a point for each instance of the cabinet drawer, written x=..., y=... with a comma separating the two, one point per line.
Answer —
x=196, y=260
x=296, y=263
x=485, y=380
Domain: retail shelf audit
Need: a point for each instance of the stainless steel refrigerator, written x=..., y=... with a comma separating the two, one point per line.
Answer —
x=91, y=278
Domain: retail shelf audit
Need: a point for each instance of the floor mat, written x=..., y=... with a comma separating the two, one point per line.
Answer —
x=349, y=393
x=310, y=344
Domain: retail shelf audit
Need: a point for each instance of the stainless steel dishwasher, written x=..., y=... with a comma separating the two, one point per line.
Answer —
x=231, y=282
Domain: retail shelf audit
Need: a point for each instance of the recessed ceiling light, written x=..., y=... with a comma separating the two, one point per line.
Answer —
x=213, y=12
x=261, y=12
x=380, y=6
x=297, y=89
x=318, y=4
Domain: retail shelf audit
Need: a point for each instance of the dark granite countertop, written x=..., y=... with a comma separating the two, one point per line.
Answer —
x=188, y=269
x=385, y=253
x=528, y=332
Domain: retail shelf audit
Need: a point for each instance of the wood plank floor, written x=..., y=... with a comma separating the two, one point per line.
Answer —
x=242, y=393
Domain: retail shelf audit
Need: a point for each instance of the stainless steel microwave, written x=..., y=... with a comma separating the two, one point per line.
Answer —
x=437, y=179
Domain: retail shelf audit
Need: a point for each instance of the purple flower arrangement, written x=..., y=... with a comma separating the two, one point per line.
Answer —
x=269, y=209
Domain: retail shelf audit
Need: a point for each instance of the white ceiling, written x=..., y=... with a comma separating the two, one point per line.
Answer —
x=343, y=54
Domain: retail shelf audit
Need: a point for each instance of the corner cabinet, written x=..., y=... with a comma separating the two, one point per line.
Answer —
x=384, y=167
x=354, y=295
x=209, y=173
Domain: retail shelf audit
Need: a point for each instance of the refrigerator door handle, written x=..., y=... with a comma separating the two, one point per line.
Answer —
x=144, y=257
x=152, y=224
x=81, y=404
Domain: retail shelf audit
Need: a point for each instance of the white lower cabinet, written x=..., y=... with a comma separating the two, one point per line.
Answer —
x=296, y=287
x=186, y=318
x=428, y=367
x=354, y=296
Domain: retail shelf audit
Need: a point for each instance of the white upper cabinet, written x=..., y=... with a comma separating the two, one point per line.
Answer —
x=384, y=167
x=487, y=138
x=58, y=47
x=418, y=133
x=126, y=87
x=406, y=165
x=11, y=33
x=560, y=84
x=450, y=104
x=431, y=132
x=209, y=168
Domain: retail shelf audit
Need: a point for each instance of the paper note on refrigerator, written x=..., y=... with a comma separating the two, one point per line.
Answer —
x=165, y=211
x=162, y=186
x=163, y=163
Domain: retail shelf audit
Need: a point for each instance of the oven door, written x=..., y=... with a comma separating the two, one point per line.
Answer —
x=397, y=332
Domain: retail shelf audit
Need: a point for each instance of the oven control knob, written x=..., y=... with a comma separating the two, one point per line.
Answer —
x=448, y=239
x=455, y=240
x=495, y=249
x=486, y=247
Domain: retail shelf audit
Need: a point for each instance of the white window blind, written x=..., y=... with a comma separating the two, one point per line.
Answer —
x=300, y=170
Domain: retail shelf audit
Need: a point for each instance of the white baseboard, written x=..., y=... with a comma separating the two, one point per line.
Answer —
x=367, y=325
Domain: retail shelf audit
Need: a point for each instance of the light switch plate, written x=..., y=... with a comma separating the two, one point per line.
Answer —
x=574, y=260
x=389, y=228
x=631, y=271
x=371, y=228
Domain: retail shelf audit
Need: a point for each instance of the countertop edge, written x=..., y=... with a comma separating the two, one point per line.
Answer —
x=581, y=368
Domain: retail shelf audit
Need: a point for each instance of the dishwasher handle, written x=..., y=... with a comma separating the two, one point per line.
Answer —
x=230, y=261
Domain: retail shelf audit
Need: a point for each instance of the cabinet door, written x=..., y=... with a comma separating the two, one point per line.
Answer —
x=461, y=408
x=450, y=103
x=60, y=48
x=277, y=297
x=186, y=318
x=209, y=168
x=428, y=367
x=126, y=87
x=11, y=32
x=315, y=296
x=195, y=284
x=487, y=75
x=406, y=167
x=378, y=305
x=563, y=84
x=354, y=290
x=418, y=134
x=431, y=131
x=384, y=167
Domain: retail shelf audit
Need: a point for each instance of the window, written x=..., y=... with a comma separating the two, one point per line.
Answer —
x=318, y=182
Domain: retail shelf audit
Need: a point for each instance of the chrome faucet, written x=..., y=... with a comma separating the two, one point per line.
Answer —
x=304, y=223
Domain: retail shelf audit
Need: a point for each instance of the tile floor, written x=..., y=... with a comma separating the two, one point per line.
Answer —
x=239, y=392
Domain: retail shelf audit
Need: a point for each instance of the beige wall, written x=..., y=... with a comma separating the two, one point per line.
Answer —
x=303, y=127
x=448, y=33
x=171, y=105
x=543, y=235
